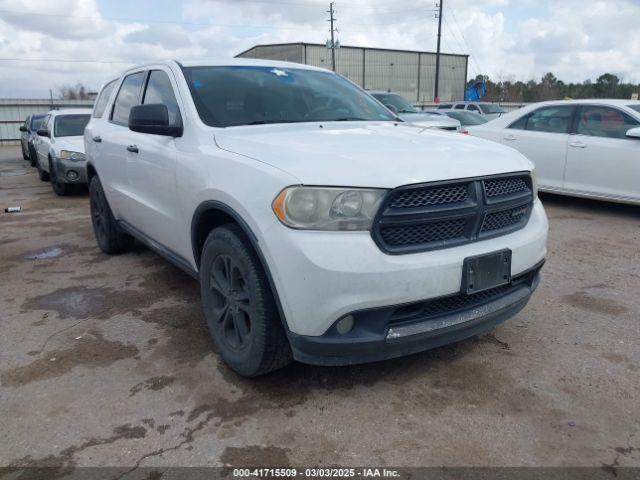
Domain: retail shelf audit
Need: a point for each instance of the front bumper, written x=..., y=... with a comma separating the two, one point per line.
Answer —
x=321, y=276
x=384, y=333
x=72, y=172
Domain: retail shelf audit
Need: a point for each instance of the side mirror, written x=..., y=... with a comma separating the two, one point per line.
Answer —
x=152, y=118
x=23, y=128
x=634, y=133
x=43, y=132
x=392, y=108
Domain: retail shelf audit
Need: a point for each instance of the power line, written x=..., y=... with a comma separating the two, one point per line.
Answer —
x=202, y=24
x=473, y=57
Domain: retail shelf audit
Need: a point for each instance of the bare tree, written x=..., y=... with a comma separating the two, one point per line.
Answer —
x=73, y=92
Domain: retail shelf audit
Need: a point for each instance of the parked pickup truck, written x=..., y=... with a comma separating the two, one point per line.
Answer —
x=321, y=228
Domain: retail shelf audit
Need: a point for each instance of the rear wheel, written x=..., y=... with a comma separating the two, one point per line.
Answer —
x=239, y=305
x=111, y=239
x=59, y=187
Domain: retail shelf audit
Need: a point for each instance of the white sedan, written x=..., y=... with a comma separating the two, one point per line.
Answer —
x=584, y=148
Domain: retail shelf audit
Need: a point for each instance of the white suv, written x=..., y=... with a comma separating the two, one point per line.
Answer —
x=321, y=228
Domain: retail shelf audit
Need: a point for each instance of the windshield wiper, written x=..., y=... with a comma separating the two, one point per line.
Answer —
x=266, y=122
x=349, y=119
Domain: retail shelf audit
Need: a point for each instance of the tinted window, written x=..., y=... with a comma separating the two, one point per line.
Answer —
x=635, y=107
x=250, y=95
x=397, y=101
x=128, y=96
x=547, y=119
x=460, y=106
x=473, y=108
x=159, y=90
x=491, y=108
x=70, y=125
x=445, y=106
x=36, y=122
x=520, y=124
x=103, y=99
x=600, y=121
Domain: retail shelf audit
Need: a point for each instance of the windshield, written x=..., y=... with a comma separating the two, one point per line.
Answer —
x=491, y=108
x=70, y=125
x=397, y=101
x=635, y=107
x=250, y=95
x=467, y=118
x=36, y=122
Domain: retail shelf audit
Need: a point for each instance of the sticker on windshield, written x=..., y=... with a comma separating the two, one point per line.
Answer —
x=279, y=73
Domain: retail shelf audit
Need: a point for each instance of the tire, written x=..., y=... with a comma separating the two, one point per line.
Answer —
x=59, y=187
x=239, y=305
x=43, y=175
x=33, y=156
x=111, y=239
x=25, y=155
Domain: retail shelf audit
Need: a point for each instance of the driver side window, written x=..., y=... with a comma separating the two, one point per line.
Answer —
x=602, y=121
x=160, y=90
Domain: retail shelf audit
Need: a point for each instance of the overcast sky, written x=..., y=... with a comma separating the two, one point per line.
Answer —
x=507, y=39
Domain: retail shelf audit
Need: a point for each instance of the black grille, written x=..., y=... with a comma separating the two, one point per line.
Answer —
x=504, y=218
x=425, y=217
x=425, y=233
x=430, y=196
x=460, y=301
x=505, y=186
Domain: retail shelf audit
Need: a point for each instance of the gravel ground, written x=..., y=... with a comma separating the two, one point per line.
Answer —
x=105, y=361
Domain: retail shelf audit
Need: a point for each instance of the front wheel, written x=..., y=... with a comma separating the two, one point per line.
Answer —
x=111, y=239
x=42, y=174
x=239, y=305
x=59, y=187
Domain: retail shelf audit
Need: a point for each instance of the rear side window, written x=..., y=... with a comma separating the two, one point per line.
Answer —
x=160, y=90
x=473, y=108
x=554, y=119
x=460, y=106
x=600, y=121
x=444, y=106
x=128, y=96
x=103, y=99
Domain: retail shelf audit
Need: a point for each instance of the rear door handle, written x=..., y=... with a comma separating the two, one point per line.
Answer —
x=132, y=148
x=97, y=139
x=578, y=145
x=509, y=137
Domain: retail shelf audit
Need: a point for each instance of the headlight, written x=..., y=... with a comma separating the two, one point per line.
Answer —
x=320, y=208
x=534, y=182
x=73, y=156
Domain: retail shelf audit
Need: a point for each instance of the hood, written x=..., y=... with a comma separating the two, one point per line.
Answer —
x=74, y=144
x=430, y=121
x=369, y=154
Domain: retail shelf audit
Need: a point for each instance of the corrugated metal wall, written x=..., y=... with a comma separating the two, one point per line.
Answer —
x=285, y=53
x=411, y=74
x=13, y=112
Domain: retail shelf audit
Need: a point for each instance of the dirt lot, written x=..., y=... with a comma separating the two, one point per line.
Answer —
x=106, y=361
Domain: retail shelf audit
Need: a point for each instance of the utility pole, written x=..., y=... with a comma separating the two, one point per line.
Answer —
x=435, y=93
x=333, y=43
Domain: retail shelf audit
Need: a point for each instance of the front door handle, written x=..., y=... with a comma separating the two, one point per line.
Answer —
x=509, y=137
x=578, y=145
x=132, y=148
x=97, y=139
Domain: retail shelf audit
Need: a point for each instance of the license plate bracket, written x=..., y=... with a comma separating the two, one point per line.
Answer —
x=483, y=272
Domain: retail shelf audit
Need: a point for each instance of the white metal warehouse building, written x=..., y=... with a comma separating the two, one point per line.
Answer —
x=14, y=111
x=409, y=73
